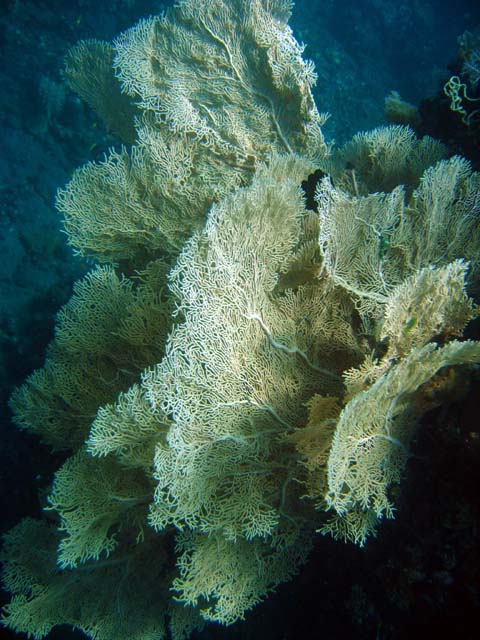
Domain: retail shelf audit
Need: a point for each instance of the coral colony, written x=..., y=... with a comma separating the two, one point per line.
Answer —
x=238, y=374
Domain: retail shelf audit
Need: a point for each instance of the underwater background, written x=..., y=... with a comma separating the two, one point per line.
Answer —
x=421, y=575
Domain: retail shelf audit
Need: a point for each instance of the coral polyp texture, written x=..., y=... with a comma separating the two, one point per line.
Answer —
x=242, y=373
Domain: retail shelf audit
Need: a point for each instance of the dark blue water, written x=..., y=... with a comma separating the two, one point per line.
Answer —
x=421, y=577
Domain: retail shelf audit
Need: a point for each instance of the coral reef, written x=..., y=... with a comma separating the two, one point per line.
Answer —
x=242, y=371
